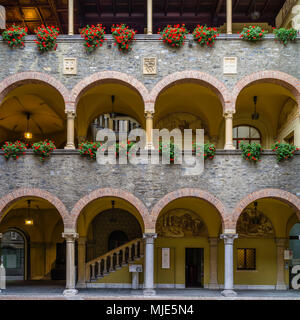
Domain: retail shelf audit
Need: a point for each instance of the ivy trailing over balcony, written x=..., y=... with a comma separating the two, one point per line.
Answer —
x=43, y=148
x=94, y=36
x=205, y=35
x=89, y=149
x=46, y=38
x=13, y=149
x=285, y=35
x=253, y=33
x=14, y=36
x=251, y=151
x=284, y=150
x=174, y=36
x=123, y=36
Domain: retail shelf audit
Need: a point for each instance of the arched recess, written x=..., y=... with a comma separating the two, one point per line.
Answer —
x=192, y=76
x=278, y=194
x=190, y=193
x=28, y=77
x=7, y=201
x=109, y=193
x=269, y=76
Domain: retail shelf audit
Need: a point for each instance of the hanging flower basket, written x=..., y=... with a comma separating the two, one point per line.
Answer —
x=94, y=36
x=46, y=38
x=89, y=149
x=209, y=150
x=253, y=33
x=124, y=148
x=166, y=149
x=251, y=151
x=285, y=35
x=123, y=36
x=43, y=148
x=13, y=149
x=205, y=35
x=174, y=36
x=284, y=150
x=14, y=36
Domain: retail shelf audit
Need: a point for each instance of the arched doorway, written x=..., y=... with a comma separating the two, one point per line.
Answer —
x=15, y=253
x=116, y=239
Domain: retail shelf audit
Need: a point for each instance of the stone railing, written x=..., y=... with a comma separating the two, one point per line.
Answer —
x=114, y=260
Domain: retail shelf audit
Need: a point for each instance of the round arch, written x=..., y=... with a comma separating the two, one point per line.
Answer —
x=270, y=76
x=9, y=199
x=203, y=79
x=28, y=77
x=109, y=192
x=105, y=77
x=190, y=192
x=278, y=194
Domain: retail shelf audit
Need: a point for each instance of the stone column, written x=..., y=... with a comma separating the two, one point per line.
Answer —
x=213, y=263
x=229, y=16
x=81, y=262
x=297, y=132
x=228, y=277
x=149, y=264
x=70, y=17
x=281, y=245
x=70, y=264
x=2, y=18
x=228, y=131
x=149, y=128
x=149, y=17
x=70, y=130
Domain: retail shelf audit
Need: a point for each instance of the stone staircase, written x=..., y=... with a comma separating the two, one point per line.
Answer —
x=114, y=260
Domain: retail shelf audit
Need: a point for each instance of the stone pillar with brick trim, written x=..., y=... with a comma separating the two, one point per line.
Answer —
x=228, y=277
x=149, y=264
x=70, y=130
x=81, y=283
x=229, y=16
x=228, y=131
x=281, y=245
x=149, y=17
x=70, y=17
x=149, y=129
x=213, y=264
x=70, y=264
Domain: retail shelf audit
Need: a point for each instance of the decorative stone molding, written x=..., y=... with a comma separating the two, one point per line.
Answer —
x=70, y=236
x=228, y=238
x=149, y=65
x=69, y=65
x=149, y=237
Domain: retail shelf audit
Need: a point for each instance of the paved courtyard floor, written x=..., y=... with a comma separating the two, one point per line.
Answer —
x=53, y=290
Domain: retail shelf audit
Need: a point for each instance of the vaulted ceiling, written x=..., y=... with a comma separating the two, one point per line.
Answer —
x=33, y=13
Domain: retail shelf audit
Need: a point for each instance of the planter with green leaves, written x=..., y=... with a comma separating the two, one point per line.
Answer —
x=174, y=36
x=123, y=36
x=205, y=35
x=169, y=150
x=94, y=36
x=124, y=148
x=209, y=150
x=43, y=148
x=14, y=36
x=89, y=149
x=251, y=151
x=253, y=33
x=284, y=150
x=285, y=35
x=13, y=149
x=46, y=38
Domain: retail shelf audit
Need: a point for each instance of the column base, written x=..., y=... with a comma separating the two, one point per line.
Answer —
x=281, y=287
x=229, y=147
x=81, y=285
x=70, y=147
x=149, y=146
x=228, y=293
x=70, y=292
x=149, y=292
x=213, y=286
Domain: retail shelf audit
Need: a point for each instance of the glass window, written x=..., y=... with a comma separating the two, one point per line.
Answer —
x=246, y=134
x=246, y=259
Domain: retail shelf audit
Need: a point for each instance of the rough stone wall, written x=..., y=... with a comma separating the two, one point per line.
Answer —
x=252, y=57
x=70, y=177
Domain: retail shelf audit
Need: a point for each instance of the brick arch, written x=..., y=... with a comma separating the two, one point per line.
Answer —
x=14, y=196
x=278, y=194
x=276, y=77
x=110, y=192
x=108, y=76
x=203, y=79
x=28, y=77
x=194, y=193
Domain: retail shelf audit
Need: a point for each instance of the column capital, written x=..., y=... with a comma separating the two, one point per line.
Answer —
x=228, y=114
x=70, y=237
x=281, y=242
x=229, y=237
x=149, y=114
x=70, y=114
x=150, y=237
x=213, y=241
